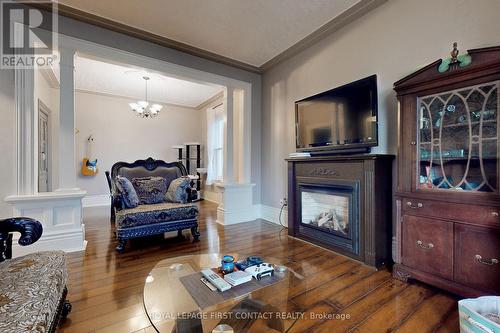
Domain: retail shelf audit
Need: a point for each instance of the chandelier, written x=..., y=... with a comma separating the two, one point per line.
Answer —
x=142, y=108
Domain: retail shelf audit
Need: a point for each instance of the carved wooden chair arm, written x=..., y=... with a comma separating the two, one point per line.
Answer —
x=30, y=230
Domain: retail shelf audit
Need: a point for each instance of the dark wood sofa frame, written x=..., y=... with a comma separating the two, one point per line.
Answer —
x=31, y=230
x=147, y=167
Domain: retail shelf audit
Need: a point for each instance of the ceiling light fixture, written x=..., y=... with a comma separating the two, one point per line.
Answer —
x=142, y=108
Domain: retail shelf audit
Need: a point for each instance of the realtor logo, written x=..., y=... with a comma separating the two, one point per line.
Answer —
x=28, y=34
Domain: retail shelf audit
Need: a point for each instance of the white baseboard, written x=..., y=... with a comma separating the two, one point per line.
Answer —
x=272, y=214
x=240, y=216
x=98, y=200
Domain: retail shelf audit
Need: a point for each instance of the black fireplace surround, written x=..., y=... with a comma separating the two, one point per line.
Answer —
x=343, y=203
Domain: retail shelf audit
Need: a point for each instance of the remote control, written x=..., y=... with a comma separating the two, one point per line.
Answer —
x=216, y=280
x=208, y=284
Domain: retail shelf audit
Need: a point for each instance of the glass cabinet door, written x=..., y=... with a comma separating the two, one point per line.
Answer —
x=458, y=140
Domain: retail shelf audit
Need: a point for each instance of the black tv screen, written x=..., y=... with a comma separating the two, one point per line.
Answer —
x=343, y=117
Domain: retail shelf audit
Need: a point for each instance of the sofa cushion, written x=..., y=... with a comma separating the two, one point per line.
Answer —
x=150, y=190
x=127, y=190
x=177, y=190
x=31, y=288
x=156, y=213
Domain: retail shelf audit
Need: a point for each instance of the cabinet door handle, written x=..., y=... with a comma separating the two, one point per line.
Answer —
x=490, y=262
x=425, y=246
x=411, y=205
x=413, y=143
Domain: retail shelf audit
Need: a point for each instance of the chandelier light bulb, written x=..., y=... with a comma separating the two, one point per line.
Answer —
x=143, y=108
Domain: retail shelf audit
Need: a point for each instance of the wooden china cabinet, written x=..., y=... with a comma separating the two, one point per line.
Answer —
x=448, y=195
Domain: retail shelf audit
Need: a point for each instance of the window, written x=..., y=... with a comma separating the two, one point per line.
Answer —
x=215, y=144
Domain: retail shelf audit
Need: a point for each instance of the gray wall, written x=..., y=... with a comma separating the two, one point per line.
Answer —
x=392, y=41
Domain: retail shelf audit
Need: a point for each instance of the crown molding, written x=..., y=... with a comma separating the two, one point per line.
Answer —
x=350, y=15
x=132, y=98
x=211, y=100
x=115, y=26
x=50, y=77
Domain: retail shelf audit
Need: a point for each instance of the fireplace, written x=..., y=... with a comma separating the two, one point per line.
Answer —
x=343, y=203
x=329, y=212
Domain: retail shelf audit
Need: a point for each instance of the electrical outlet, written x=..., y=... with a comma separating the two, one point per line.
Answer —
x=284, y=202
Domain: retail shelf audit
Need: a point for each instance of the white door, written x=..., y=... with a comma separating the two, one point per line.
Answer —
x=43, y=148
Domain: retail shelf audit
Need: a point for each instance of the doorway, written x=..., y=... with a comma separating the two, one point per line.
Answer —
x=44, y=153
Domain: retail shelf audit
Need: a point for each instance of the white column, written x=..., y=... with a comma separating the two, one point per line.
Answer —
x=246, y=137
x=67, y=162
x=25, y=123
x=60, y=212
x=236, y=190
x=229, y=135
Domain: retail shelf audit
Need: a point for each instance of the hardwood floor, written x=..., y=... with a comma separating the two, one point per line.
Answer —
x=105, y=288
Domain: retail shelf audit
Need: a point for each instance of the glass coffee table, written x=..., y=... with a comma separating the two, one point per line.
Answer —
x=177, y=301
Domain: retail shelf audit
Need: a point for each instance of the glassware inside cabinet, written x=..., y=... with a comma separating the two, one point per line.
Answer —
x=458, y=139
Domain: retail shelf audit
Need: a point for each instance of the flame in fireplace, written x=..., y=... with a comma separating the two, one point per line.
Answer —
x=330, y=220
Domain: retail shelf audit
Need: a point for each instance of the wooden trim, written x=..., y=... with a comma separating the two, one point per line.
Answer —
x=437, y=281
x=366, y=175
x=115, y=26
x=399, y=220
x=428, y=77
x=337, y=23
x=434, y=64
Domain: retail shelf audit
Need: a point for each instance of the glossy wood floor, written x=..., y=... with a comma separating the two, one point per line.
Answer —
x=105, y=288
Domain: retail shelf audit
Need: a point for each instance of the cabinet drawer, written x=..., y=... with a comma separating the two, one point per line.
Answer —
x=428, y=245
x=454, y=212
x=477, y=257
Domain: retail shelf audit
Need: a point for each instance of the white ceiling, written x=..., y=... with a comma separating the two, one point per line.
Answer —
x=119, y=80
x=250, y=31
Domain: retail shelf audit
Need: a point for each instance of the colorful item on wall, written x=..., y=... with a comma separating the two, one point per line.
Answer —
x=89, y=166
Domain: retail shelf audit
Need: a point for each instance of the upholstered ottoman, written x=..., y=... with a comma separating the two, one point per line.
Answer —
x=32, y=287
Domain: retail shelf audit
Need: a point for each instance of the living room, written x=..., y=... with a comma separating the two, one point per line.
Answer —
x=354, y=176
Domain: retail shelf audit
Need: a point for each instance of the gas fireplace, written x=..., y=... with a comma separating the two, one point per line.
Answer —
x=343, y=203
x=329, y=212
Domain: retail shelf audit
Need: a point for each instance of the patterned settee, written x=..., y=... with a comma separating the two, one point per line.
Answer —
x=149, y=219
x=32, y=287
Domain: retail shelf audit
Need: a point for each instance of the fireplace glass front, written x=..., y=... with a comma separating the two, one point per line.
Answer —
x=329, y=214
x=326, y=211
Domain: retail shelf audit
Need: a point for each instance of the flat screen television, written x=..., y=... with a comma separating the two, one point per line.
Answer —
x=344, y=118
